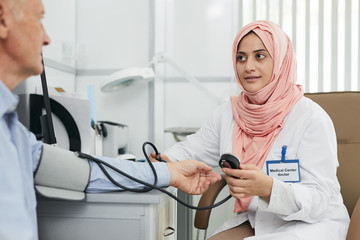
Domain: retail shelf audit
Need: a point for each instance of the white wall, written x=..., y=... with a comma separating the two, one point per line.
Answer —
x=59, y=22
x=59, y=62
x=197, y=36
x=112, y=35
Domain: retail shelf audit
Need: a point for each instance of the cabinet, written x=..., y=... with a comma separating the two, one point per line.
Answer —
x=120, y=215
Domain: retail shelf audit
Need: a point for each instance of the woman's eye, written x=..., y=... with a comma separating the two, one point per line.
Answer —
x=240, y=58
x=260, y=56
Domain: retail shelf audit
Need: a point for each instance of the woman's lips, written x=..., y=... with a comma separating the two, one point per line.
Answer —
x=252, y=78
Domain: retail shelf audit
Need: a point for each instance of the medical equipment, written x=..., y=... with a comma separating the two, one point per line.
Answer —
x=64, y=117
x=131, y=76
x=47, y=128
x=64, y=174
x=61, y=174
x=68, y=116
x=126, y=77
x=151, y=186
x=114, y=138
x=229, y=160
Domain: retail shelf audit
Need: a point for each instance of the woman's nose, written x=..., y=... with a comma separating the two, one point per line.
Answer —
x=249, y=65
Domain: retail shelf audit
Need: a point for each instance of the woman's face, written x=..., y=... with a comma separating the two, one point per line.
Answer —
x=254, y=64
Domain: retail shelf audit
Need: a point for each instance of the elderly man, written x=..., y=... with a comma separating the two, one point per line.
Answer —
x=21, y=39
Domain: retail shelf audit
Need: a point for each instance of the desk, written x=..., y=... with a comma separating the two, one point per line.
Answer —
x=110, y=216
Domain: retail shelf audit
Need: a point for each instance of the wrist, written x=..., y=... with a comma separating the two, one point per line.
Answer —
x=268, y=189
x=172, y=173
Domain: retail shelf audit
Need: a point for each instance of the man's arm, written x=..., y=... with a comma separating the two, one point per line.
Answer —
x=63, y=171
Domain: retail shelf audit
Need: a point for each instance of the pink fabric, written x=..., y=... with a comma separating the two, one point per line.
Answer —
x=259, y=116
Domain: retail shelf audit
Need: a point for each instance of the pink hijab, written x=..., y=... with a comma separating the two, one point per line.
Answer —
x=259, y=115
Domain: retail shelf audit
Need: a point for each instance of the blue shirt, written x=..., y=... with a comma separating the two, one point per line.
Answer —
x=19, y=156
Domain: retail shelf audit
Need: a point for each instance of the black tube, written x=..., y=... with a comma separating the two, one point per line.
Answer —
x=47, y=126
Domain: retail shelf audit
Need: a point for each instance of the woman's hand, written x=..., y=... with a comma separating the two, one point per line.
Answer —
x=191, y=176
x=249, y=180
x=154, y=158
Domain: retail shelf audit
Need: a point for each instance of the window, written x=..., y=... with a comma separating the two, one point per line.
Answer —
x=325, y=34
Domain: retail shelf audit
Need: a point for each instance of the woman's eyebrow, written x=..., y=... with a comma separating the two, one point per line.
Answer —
x=260, y=50
x=255, y=51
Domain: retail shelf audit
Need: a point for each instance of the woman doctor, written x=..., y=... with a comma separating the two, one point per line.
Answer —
x=286, y=187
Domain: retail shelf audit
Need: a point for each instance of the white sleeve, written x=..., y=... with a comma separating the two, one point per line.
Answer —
x=282, y=199
x=203, y=145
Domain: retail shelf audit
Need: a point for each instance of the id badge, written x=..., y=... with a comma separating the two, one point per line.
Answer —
x=284, y=170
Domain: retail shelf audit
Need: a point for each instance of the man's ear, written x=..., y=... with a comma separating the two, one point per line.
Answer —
x=3, y=21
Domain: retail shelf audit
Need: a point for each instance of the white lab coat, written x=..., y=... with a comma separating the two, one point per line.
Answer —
x=311, y=209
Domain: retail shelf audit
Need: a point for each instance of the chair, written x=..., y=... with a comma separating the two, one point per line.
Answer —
x=353, y=231
x=344, y=110
x=202, y=217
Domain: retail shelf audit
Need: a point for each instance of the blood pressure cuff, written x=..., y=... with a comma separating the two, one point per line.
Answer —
x=61, y=174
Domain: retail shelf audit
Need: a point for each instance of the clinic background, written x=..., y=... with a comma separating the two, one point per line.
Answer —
x=92, y=39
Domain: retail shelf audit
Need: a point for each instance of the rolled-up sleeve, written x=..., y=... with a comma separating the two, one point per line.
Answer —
x=282, y=200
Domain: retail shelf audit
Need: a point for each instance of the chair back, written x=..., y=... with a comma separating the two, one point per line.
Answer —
x=354, y=230
x=344, y=110
x=202, y=217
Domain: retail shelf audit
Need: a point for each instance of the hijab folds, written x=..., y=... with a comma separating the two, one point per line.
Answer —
x=259, y=115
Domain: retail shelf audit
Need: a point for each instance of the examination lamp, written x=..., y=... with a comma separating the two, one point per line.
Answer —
x=128, y=76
